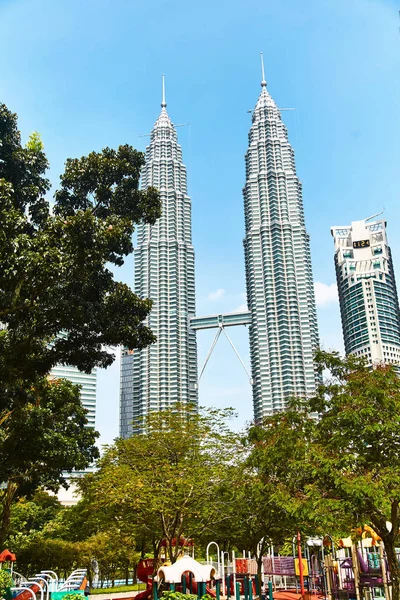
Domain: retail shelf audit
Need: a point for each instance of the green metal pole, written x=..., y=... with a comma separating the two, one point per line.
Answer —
x=246, y=587
x=218, y=589
x=201, y=589
x=270, y=590
x=258, y=587
x=184, y=584
x=237, y=590
x=228, y=586
x=172, y=587
x=155, y=594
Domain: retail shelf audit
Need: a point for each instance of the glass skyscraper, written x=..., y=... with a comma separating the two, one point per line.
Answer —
x=164, y=373
x=280, y=290
x=369, y=304
x=87, y=381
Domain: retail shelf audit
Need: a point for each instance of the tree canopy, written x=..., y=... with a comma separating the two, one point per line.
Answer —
x=31, y=516
x=44, y=437
x=55, y=276
x=59, y=301
x=167, y=481
x=326, y=464
x=342, y=469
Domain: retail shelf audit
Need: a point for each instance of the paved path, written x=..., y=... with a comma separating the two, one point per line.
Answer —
x=114, y=595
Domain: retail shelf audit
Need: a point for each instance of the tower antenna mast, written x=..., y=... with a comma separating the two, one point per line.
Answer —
x=263, y=81
x=163, y=103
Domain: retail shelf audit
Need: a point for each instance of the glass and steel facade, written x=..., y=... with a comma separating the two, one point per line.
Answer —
x=87, y=381
x=280, y=291
x=165, y=372
x=369, y=304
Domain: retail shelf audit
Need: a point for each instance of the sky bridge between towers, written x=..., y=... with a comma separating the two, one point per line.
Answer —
x=220, y=322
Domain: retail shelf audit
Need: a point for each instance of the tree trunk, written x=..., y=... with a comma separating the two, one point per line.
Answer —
x=394, y=568
x=170, y=550
x=156, y=554
x=89, y=573
x=7, y=500
x=259, y=573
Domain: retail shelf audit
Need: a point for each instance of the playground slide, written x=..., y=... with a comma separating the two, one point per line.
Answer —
x=146, y=593
x=211, y=592
x=83, y=584
x=144, y=570
x=25, y=595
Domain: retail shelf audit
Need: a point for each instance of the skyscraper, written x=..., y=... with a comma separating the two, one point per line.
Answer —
x=369, y=304
x=87, y=381
x=280, y=291
x=166, y=372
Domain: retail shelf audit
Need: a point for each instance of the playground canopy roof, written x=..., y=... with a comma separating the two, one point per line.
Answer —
x=6, y=556
x=173, y=573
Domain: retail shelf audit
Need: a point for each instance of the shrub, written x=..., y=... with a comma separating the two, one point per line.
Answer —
x=5, y=583
x=178, y=596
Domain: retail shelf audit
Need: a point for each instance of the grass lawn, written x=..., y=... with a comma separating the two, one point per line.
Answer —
x=120, y=588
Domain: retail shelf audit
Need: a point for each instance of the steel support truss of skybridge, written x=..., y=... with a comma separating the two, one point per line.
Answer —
x=220, y=323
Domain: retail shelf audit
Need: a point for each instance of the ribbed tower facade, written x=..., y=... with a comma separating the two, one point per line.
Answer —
x=166, y=372
x=280, y=290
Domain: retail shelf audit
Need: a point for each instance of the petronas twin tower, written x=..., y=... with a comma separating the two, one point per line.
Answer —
x=280, y=289
x=282, y=315
x=166, y=372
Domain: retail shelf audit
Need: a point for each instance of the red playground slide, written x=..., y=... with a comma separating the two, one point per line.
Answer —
x=144, y=570
x=146, y=594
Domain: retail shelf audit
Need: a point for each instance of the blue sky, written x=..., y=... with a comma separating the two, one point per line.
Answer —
x=88, y=74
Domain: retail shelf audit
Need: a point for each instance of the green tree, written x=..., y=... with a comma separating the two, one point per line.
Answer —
x=59, y=302
x=31, y=516
x=45, y=437
x=256, y=518
x=165, y=482
x=54, y=276
x=342, y=469
x=37, y=553
x=114, y=554
x=261, y=519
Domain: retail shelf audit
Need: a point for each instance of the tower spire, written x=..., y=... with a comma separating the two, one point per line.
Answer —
x=263, y=82
x=163, y=103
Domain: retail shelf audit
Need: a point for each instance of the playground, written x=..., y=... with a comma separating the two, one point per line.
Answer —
x=317, y=569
